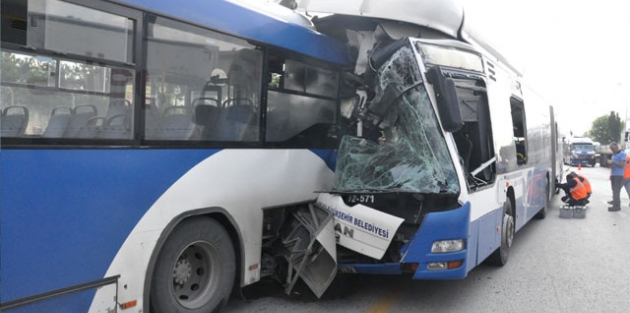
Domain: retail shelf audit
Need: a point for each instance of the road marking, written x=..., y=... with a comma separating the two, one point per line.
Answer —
x=385, y=302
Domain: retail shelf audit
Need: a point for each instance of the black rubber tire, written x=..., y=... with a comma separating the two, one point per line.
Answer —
x=195, y=269
x=543, y=212
x=500, y=256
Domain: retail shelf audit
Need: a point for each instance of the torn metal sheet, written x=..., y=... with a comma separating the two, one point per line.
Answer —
x=313, y=250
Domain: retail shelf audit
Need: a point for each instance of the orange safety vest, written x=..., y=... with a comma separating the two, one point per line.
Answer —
x=587, y=183
x=579, y=191
x=626, y=168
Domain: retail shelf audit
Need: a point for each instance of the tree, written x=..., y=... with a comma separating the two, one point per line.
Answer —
x=607, y=128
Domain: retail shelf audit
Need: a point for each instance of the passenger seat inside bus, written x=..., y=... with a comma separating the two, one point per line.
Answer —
x=236, y=123
x=116, y=124
x=79, y=125
x=14, y=121
x=58, y=122
x=232, y=123
x=175, y=124
x=207, y=113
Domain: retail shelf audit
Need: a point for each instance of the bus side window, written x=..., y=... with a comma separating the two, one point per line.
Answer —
x=474, y=138
x=53, y=84
x=519, y=126
x=210, y=88
x=301, y=106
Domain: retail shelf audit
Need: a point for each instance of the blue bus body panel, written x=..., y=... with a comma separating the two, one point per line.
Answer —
x=473, y=245
x=446, y=225
x=484, y=237
x=66, y=213
x=250, y=24
x=328, y=156
x=67, y=303
x=372, y=269
x=436, y=226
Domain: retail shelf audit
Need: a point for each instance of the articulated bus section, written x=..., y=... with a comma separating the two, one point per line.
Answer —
x=182, y=157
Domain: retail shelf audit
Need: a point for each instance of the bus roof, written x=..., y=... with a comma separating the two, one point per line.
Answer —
x=256, y=20
x=441, y=15
x=446, y=16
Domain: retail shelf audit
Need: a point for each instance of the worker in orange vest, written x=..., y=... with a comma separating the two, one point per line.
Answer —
x=587, y=184
x=626, y=175
x=576, y=192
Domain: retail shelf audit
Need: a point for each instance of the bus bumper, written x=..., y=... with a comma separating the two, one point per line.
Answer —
x=417, y=256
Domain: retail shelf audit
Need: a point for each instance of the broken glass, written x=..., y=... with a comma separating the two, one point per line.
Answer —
x=409, y=152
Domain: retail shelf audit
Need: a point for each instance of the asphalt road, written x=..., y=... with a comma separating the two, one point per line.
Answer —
x=556, y=265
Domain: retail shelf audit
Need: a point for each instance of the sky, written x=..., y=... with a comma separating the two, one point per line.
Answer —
x=574, y=53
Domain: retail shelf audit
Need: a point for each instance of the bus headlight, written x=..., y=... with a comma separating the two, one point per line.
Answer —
x=444, y=246
x=440, y=266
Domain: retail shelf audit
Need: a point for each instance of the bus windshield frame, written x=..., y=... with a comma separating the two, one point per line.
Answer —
x=405, y=149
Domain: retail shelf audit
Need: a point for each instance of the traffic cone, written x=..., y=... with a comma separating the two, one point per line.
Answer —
x=580, y=166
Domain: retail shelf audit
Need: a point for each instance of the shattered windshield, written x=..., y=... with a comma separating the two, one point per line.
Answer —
x=408, y=152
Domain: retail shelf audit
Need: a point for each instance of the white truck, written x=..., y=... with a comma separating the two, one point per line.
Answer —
x=603, y=152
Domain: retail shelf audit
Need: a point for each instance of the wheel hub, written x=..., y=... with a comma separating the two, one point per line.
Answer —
x=182, y=272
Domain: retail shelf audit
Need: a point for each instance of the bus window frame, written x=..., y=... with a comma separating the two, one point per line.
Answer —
x=137, y=17
x=140, y=19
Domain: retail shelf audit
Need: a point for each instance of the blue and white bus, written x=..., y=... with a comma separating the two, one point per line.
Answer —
x=157, y=155
x=143, y=140
x=452, y=152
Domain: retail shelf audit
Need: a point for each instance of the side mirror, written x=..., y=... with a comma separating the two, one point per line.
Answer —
x=446, y=95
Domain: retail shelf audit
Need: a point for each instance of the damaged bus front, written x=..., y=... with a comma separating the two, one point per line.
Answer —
x=427, y=179
x=396, y=189
x=395, y=206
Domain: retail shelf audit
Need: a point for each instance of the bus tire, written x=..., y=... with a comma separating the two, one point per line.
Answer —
x=500, y=256
x=543, y=212
x=195, y=269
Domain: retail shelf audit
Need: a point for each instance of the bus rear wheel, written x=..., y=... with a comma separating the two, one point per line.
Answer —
x=500, y=256
x=195, y=269
x=543, y=212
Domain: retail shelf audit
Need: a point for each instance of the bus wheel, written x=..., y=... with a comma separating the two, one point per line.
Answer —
x=195, y=269
x=500, y=256
x=543, y=212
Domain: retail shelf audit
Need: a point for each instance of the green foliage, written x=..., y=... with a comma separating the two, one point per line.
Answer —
x=10, y=67
x=24, y=69
x=28, y=70
x=607, y=128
